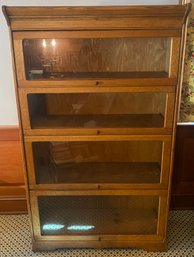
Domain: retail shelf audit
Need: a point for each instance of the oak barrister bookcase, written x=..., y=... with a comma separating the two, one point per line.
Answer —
x=97, y=91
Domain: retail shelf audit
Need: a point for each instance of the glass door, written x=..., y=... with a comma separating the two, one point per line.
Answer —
x=99, y=164
x=70, y=58
x=97, y=112
x=91, y=216
x=85, y=58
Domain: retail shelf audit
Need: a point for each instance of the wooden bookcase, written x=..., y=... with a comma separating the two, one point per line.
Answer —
x=97, y=91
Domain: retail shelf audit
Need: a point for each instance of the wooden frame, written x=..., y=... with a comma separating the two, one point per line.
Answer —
x=171, y=80
x=96, y=18
x=93, y=240
x=168, y=112
x=80, y=22
x=165, y=162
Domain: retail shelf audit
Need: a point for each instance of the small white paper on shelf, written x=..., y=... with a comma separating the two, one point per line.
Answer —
x=89, y=124
x=36, y=71
x=77, y=107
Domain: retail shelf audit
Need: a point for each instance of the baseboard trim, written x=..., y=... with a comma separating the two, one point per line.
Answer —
x=13, y=199
x=12, y=207
x=12, y=193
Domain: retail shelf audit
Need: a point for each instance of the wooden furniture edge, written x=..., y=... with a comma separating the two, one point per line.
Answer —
x=15, y=16
x=97, y=11
x=53, y=245
x=4, y=10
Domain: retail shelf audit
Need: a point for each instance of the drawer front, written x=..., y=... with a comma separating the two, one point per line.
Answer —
x=51, y=112
x=99, y=216
x=98, y=162
x=97, y=58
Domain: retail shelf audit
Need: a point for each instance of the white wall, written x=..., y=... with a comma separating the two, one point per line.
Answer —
x=8, y=113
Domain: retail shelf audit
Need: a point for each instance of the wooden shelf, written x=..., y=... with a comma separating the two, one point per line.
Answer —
x=139, y=173
x=98, y=121
x=100, y=75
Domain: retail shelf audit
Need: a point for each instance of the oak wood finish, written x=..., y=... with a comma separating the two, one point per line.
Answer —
x=163, y=25
x=85, y=18
x=153, y=245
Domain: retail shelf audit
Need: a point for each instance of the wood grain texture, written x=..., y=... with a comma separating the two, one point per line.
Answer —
x=83, y=11
x=132, y=33
x=168, y=21
x=180, y=80
x=97, y=138
x=174, y=57
x=37, y=18
x=153, y=246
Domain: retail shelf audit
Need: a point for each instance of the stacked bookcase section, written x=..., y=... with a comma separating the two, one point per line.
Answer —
x=97, y=91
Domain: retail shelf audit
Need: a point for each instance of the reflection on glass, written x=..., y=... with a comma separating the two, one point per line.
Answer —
x=52, y=226
x=123, y=214
x=44, y=43
x=72, y=227
x=80, y=227
x=96, y=57
x=53, y=42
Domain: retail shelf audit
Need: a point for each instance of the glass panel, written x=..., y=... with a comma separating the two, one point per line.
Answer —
x=67, y=215
x=58, y=59
x=98, y=162
x=97, y=110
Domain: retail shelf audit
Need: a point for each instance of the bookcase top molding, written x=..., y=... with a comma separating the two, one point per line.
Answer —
x=96, y=17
